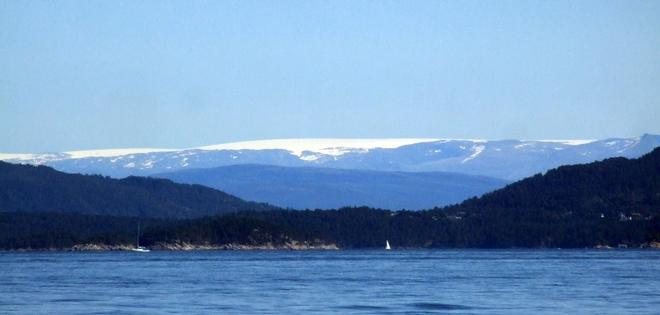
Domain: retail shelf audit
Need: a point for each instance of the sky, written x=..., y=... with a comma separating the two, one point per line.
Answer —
x=175, y=74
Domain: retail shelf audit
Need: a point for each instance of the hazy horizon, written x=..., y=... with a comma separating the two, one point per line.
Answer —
x=90, y=75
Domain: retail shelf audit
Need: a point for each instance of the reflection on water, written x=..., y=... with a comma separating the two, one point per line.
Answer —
x=364, y=282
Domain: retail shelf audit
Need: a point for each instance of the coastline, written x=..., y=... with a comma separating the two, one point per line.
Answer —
x=289, y=246
x=183, y=246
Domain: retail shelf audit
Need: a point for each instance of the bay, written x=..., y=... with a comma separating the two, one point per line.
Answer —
x=332, y=282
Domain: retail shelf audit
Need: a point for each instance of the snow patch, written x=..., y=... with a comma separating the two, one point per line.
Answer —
x=476, y=151
x=525, y=144
x=309, y=157
x=568, y=141
x=16, y=156
x=112, y=152
x=326, y=146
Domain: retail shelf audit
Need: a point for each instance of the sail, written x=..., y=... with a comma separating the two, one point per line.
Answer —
x=387, y=245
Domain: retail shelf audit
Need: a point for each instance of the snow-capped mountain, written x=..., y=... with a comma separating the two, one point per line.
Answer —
x=507, y=159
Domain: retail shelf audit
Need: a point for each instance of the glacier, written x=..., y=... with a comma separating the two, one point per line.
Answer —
x=505, y=159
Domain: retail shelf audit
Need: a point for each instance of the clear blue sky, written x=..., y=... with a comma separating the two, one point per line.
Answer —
x=99, y=74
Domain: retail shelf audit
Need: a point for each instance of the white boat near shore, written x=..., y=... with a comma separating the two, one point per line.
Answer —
x=139, y=248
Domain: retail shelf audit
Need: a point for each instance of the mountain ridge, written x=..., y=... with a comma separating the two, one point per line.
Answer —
x=327, y=188
x=506, y=159
x=295, y=145
x=26, y=188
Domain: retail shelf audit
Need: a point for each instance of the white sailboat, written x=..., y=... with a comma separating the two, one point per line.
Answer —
x=139, y=248
x=387, y=245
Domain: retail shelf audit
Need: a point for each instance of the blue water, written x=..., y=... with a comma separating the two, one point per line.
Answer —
x=321, y=282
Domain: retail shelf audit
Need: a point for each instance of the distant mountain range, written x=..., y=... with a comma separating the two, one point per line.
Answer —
x=326, y=188
x=330, y=173
x=26, y=188
x=505, y=159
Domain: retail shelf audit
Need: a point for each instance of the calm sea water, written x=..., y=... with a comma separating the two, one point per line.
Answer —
x=320, y=282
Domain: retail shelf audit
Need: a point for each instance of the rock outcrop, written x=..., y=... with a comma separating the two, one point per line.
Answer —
x=290, y=245
x=176, y=246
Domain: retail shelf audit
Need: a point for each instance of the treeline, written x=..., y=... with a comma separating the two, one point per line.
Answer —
x=364, y=227
x=347, y=228
x=26, y=188
x=62, y=230
x=612, y=202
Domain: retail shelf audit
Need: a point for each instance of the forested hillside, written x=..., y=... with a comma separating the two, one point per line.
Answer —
x=26, y=188
x=612, y=202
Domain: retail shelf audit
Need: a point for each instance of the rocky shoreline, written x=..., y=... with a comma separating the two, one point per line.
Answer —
x=292, y=245
x=650, y=245
x=182, y=246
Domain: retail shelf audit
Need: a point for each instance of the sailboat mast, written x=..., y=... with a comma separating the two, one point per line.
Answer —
x=138, y=236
